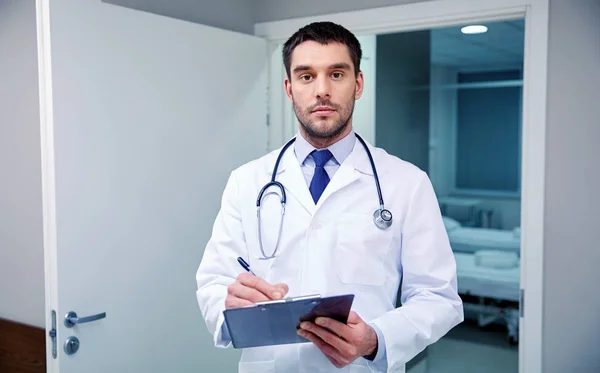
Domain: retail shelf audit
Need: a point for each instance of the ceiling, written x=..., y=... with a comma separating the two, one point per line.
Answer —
x=500, y=47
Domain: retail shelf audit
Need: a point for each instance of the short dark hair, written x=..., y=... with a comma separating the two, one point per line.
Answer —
x=323, y=32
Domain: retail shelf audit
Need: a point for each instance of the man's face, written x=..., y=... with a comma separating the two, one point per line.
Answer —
x=323, y=87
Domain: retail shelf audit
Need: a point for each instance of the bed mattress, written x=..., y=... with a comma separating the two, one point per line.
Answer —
x=502, y=284
x=466, y=239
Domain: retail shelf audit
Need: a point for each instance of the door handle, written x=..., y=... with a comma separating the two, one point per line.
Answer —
x=71, y=319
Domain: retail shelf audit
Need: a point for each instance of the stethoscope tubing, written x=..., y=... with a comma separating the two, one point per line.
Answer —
x=283, y=197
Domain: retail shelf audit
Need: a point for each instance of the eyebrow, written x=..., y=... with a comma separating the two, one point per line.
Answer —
x=301, y=68
x=341, y=65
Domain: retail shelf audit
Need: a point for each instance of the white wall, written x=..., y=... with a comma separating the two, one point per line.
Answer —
x=571, y=321
x=21, y=246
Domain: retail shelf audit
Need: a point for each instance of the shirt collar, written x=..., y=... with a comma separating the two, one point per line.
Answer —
x=340, y=149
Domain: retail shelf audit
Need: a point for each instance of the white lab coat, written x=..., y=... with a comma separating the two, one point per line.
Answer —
x=335, y=248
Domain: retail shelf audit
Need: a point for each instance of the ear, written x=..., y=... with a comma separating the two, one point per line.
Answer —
x=287, y=85
x=360, y=84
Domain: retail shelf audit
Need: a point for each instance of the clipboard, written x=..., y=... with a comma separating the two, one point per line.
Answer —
x=276, y=322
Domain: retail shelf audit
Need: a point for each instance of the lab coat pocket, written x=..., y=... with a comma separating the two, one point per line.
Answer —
x=361, y=250
x=256, y=366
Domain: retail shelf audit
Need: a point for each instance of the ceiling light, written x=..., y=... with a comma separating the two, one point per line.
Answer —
x=473, y=29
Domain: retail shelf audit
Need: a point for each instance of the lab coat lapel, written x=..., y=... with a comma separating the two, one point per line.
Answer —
x=291, y=176
x=348, y=172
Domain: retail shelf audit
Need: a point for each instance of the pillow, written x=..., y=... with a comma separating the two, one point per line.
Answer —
x=496, y=259
x=517, y=232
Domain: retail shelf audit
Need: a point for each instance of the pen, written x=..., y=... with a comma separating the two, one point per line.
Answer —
x=245, y=265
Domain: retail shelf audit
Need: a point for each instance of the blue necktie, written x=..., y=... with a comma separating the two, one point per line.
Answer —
x=320, y=178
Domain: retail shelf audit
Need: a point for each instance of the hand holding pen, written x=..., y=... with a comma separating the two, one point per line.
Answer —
x=249, y=289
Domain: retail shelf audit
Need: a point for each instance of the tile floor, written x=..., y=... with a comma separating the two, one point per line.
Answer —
x=470, y=349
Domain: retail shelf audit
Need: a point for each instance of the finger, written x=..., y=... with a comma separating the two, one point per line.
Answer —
x=335, y=326
x=234, y=302
x=238, y=290
x=331, y=353
x=271, y=291
x=284, y=288
x=345, y=348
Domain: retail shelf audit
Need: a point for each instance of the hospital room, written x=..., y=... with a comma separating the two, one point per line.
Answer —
x=121, y=122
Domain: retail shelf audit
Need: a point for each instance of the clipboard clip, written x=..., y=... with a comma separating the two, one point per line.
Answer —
x=289, y=299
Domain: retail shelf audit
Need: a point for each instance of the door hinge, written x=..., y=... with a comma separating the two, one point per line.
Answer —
x=52, y=334
x=521, y=303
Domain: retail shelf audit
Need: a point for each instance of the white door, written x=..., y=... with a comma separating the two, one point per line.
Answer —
x=143, y=118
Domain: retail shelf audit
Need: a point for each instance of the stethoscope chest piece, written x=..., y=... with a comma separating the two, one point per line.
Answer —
x=382, y=218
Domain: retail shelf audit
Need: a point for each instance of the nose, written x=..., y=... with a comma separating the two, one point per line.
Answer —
x=322, y=88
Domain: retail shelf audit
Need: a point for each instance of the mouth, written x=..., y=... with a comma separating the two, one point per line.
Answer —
x=323, y=110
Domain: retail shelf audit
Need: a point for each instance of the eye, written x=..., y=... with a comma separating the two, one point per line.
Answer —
x=306, y=77
x=337, y=75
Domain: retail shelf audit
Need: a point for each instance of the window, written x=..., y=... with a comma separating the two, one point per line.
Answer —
x=488, y=132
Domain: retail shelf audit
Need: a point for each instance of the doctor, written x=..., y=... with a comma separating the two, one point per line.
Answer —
x=350, y=225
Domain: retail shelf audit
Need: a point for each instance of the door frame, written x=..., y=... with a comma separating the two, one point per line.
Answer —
x=42, y=9
x=441, y=13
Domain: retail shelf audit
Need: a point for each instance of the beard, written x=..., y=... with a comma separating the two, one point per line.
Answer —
x=315, y=131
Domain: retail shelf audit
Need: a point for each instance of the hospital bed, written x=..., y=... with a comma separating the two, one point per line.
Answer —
x=488, y=270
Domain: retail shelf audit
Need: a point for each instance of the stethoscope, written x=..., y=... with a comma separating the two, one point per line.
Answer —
x=381, y=217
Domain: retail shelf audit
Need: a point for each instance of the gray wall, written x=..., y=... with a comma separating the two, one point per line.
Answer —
x=273, y=10
x=402, y=112
x=21, y=240
x=240, y=15
x=234, y=15
x=571, y=321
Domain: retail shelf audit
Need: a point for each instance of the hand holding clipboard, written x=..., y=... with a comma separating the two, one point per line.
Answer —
x=276, y=321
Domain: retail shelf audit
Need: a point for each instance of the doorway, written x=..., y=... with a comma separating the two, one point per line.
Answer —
x=449, y=100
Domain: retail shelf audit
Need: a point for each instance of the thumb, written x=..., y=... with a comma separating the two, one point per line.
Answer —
x=353, y=318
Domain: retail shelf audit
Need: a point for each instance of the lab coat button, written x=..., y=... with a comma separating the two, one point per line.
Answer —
x=316, y=226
